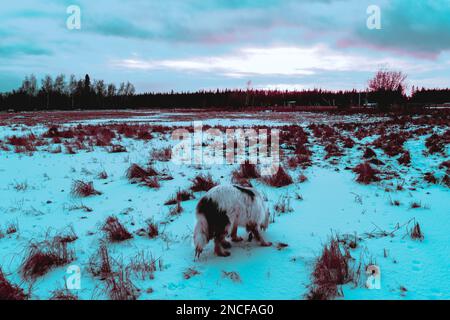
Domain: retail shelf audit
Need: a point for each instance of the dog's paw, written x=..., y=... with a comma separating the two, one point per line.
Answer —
x=237, y=239
x=266, y=244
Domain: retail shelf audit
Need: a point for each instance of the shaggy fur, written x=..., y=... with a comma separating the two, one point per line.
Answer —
x=222, y=210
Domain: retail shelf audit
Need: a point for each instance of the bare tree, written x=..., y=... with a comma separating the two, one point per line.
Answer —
x=100, y=87
x=47, y=88
x=29, y=85
x=386, y=80
x=111, y=90
x=59, y=85
x=387, y=88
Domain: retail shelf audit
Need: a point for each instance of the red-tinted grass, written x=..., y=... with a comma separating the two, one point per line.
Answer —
x=9, y=291
x=279, y=179
x=115, y=231
x=84, y=189
x=366, y=173
x=203, y=182
x=416, y=232
x=44, y=256
x=163, y=155
x=330, y=271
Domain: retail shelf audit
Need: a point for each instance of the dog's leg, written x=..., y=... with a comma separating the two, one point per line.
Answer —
x=257, y=233
x=218, y=249
x=234, y=236
x=225, y=244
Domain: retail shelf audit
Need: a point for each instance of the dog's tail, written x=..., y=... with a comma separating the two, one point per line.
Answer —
x=200, y=234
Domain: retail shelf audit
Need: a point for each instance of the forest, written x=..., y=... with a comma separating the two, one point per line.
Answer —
x=386, y=89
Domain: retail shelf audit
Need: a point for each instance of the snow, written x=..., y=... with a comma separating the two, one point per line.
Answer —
x=333, y=203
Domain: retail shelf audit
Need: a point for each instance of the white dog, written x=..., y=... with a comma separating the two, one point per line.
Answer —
x=228, y=207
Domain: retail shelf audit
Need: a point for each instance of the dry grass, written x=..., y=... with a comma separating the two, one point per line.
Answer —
x=103, y=175
x=120, y=287
x=163, y=155
x=278, y=180
x=136, y=173
x=189, y=273
x=148, y=177
x=143, y=265
x=84, y=189
x=9, y=291
x=330, y=271
x=44, y=256
x=152, y=229
x=430, y=178
x=405, y=159
x=63, y=295
x=100, y=263
x=416, y=232
x=283, y=205
x=115, y=231
x=366, y=173
x=247, y=170
x=203, y=182
x=180, y=196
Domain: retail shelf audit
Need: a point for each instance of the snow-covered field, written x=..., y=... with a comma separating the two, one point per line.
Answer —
x=38, y=172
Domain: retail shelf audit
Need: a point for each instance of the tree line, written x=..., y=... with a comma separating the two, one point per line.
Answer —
x=385, y=89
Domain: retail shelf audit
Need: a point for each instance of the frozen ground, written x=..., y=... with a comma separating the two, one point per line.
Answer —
x=35, y=196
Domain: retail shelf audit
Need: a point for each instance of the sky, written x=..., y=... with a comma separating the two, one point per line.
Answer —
x=189, y=45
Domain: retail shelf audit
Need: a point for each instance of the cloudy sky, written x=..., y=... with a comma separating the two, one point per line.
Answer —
x=207, y=44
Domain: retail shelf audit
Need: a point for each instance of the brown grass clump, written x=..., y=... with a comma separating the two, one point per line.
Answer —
x=405, y=159
x=189, y=273
x=84, y=189
x=366, y=173
x=153, y=183
x=430, y=178
x=283, y=205
x=63, y=295
x=136, y=173
x=446, y=180
x=163, y=155
x=115, y=231
x=278, y=180
x=203, y=182
x=148, y=177
x=152, y=229
x=415, y=205
x=332, y=150
x=180, y=196
x=416, y=232
x=120, y=287
x=331, y=270
x=247, y=170
x=436, y=143
x=369, y=153
x=143, y=265
x=9, y=291
x=302, y=178
x=100, y=263
x=392, y=144
x=103, y=175
x=44, y=256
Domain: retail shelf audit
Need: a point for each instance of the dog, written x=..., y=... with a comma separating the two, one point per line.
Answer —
x=222, y=210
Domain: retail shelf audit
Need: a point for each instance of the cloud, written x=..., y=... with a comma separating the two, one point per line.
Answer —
x=12, y=50
x=284, y=61
x=121, y=28
x=420, y=28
